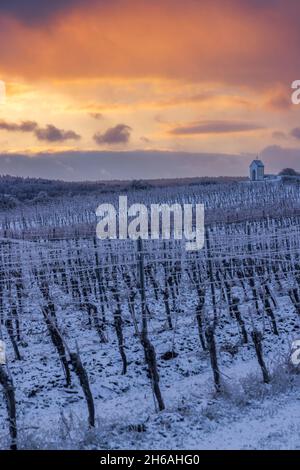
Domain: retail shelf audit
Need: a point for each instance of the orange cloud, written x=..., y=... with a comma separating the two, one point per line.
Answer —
x=242, y=42
x=154, y=65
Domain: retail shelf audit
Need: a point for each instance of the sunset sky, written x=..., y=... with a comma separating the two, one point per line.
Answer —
x=101, y=89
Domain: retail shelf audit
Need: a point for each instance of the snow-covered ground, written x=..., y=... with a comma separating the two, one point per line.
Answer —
x=246, y=414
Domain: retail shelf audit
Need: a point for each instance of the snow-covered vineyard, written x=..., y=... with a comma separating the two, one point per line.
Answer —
x=119, y=344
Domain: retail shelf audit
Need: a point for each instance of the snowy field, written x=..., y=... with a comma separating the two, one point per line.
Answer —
x=220, y=323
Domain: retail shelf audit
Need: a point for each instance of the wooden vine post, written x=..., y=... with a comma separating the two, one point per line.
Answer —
x=149, y=351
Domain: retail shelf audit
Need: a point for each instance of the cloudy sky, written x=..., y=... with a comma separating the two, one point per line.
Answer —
x=100, y=89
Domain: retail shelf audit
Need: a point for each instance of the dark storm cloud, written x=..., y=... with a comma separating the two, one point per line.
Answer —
x=214, y=127
x=276, y=158
x=78, y=166
x=106, y=165
x=35, y=11
x=32, y=11
x=52, y=134
x=296, y=133
x=24, y=126
x=120, y=134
